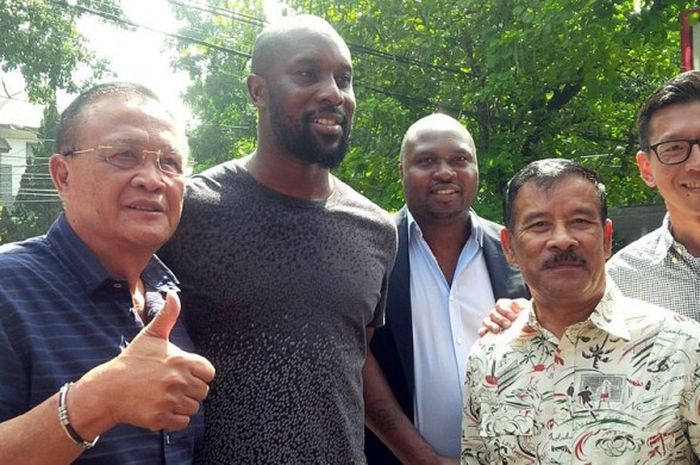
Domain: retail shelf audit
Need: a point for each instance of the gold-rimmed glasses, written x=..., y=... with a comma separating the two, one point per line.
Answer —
x=168, y=161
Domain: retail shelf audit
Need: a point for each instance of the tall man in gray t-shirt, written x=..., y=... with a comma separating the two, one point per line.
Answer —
x=283, y=267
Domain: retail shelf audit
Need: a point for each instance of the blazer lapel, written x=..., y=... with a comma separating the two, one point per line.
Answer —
x=400, y=301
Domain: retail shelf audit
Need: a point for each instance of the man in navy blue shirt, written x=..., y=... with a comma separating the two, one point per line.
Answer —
x=88, y=372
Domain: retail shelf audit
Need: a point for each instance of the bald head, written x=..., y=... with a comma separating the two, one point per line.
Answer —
x=439, y=172
x=433, y=125
x=280, y=35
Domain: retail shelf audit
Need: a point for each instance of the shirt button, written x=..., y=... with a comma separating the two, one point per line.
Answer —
x=117, y=285
x=167, y=438
x=452, y=298
x=460, y=340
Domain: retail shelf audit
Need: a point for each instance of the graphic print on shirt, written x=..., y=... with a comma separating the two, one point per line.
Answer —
x=591, y=397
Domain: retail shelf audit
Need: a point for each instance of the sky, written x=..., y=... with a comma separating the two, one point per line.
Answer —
x=139, y=56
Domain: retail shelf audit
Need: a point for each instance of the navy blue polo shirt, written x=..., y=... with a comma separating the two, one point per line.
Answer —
x=61, y=314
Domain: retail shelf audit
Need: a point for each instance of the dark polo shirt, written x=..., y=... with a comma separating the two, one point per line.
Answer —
x=61, y=314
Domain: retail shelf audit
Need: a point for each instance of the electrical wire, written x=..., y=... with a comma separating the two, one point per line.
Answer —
x=233, y=14
x=173, y=35
x=186, y=38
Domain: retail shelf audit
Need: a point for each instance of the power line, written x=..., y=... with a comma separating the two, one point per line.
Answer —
x=15, y=99
x=363, y=49
x=30, y=174
x=27, y=201
x=38, y=192
x=21, y=156
x=18, y=167
x=217, y=10
x=235, y=15
x=173, y=35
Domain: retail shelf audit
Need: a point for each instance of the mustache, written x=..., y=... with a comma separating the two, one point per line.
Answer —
x=565, y=256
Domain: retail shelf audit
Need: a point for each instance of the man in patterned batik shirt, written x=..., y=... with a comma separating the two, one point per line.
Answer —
x=584, y=374
x=662, y=267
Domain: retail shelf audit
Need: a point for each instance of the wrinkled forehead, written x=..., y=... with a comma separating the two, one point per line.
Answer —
x=541, y=195
x=125, y=118
x=124, y=107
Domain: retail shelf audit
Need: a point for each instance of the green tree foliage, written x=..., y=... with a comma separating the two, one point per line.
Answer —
x=530, y=79
x=37, y=204
x=218, y=95
x=16, y=225
x=40, y=39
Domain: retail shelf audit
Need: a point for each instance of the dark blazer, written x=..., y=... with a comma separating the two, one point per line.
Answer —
x=392, y=344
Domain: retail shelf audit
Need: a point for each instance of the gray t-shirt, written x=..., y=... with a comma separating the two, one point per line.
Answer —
x=277, y=294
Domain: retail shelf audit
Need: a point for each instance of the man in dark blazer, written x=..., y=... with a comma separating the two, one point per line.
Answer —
x=440, y=177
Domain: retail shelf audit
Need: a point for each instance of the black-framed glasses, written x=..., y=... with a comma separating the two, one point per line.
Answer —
x=168, y=161
x=673, y=152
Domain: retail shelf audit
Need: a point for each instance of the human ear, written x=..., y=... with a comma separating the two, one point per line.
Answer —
x=60, y=172
x=256, y=90
x=507, y=247
x=607, y=237
x=644, y=165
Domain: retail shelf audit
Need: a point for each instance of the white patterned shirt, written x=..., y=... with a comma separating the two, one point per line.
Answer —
x=622, y=387
x=660, y=270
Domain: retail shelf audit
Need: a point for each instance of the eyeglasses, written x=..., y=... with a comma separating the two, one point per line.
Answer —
x=674, y=152
x=168, y=161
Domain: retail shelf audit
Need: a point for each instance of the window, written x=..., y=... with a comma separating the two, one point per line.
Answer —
x=6, y=184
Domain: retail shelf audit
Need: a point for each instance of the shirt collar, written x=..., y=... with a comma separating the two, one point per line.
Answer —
x=476, y=233
x=667, y=243
x=607, y=316
x=664, y=243
x=87, y=268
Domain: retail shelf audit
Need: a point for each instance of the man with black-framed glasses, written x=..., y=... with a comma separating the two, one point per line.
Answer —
x=92, y=369
x=663, y=267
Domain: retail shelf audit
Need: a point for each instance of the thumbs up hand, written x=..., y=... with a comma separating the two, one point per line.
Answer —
x=164, y=321
x=153, y=384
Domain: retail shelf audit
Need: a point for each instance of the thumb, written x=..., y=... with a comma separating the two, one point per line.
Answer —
x=161, y=325
x=520, y=305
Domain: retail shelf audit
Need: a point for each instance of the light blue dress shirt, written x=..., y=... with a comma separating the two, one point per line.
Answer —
x=445, y=324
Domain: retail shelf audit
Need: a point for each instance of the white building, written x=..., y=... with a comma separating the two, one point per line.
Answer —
x=17, y=144
x=19, y=120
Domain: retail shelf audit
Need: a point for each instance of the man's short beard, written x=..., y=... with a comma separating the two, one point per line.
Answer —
x=301, y=144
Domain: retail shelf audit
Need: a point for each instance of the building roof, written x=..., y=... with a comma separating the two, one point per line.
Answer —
x=4, y=145
x=14, y=131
